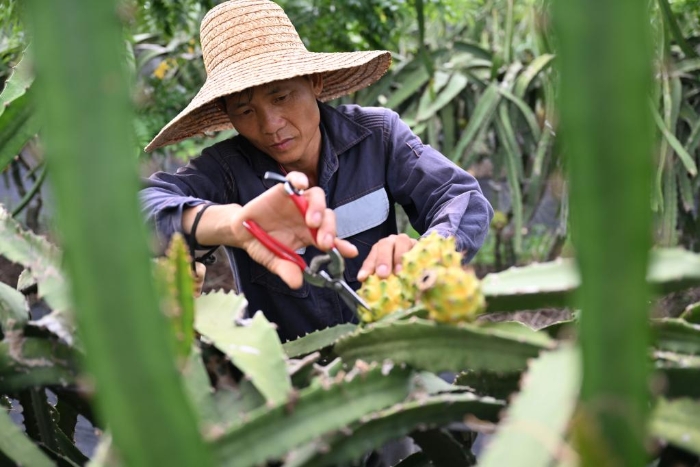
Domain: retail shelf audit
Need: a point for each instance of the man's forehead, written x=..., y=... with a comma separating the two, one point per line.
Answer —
x=268, y=88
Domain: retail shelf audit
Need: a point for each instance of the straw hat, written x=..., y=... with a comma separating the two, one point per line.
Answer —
x=246, y=43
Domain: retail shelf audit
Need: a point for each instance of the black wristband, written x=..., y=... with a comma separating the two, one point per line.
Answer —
x=207, y=258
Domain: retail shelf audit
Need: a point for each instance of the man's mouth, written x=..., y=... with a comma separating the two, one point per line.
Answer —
x=282, y=145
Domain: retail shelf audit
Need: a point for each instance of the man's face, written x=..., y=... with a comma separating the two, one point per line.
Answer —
x=281, y=119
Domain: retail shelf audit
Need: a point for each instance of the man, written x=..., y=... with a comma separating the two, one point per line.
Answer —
x=263, y=82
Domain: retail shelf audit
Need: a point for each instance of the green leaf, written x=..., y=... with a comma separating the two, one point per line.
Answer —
x=409, y=86
x=44, y=263
x=688, y=65
x=546, y=401
x=255, y=349
x=479, y=120
x=14, y=311
x=677, y=422
x=687, y=160
x=685, y=188
x=18, y=124
x=15, y=445
x=670, y=21
x=455, y=85
x=472, y=49
x=525, y=110
x=524, y=80
x=514, y=172
x=692, y=313
x=427, y=345
x=18, y=83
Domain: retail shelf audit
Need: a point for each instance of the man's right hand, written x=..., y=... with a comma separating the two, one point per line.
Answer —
x=277, y=214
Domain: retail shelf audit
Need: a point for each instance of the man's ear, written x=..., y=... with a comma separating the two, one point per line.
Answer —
x=316, y=83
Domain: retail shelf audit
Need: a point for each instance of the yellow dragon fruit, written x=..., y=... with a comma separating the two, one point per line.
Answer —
x=451, y=294
x=430, y=251
x=431, y=274
x=383, y=296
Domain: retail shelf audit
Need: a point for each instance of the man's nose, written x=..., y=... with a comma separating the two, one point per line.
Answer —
x=270, y=121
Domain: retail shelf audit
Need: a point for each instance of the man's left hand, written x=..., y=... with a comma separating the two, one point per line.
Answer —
x=385, y=256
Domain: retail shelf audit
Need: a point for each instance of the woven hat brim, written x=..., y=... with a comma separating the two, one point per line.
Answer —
x=343, y=73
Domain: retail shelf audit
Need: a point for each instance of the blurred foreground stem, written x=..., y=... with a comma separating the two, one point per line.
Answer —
x=89, y=150
x=604, y=61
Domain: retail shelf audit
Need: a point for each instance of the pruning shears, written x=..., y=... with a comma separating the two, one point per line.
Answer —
x=325, y=270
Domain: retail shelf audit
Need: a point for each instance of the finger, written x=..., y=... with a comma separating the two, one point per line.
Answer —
x=288, y=272
x=346, y=249
x=384, y=263
x=368, y=265
x=298, y=180
x=316, y=208
x=325, y=239
x=403, y=244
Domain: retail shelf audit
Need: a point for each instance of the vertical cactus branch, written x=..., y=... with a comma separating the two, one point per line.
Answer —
x=84, y=101
x=604, y=63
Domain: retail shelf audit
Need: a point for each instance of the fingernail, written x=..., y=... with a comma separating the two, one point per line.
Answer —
x=361, y=274
x=328, y=241
x=398, y=268
x=382, y=270
x=316, y=219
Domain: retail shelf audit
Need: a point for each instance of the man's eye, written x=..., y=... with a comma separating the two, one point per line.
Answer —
x=281, y=98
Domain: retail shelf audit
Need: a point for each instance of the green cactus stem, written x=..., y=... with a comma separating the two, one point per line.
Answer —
x=376, y=429
x=17, y=447
x=18, y=120
x=268, y=433
x=541, y=285
x=255, y=348
x=677, y=422
x=176, y=289
x=14, y=311
x=436, y=347
x=692, y=313
x=545, y=405
x=676, y=375
x=676, y=335
x=316, y=341
x=33, y=361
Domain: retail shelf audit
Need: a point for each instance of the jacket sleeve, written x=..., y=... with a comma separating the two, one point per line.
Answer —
x=165, y=196
x=436, y=194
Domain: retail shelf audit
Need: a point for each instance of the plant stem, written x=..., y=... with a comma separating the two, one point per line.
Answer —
x=604, y=60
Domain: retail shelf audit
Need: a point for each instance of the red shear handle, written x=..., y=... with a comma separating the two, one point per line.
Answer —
x=280, y=250
x=302, y=204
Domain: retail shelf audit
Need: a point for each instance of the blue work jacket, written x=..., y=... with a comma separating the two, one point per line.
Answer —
x=370, y=161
